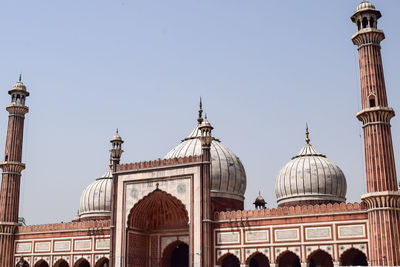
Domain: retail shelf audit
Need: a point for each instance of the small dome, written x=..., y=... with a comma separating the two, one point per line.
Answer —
x=259, y=201
x=20, y=86
x=310, y=178
x=365, y=5
x=116, y=137
x=96, y=198
x=228, y=177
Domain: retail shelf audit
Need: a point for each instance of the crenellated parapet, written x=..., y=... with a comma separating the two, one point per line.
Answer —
x=158, y=163
x=291, y=211
x=83, y=225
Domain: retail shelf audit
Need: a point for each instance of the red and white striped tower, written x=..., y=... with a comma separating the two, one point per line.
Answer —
x=12, y=167
x=382, y=198
x=206, y=140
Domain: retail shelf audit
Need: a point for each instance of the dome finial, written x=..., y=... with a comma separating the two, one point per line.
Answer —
x=307, y=134
x=200, y=119
x=20, y=77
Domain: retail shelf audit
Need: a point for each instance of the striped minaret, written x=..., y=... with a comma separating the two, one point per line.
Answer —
x=382, y=197
x=12, y=168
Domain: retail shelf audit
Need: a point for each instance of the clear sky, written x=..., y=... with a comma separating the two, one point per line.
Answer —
x=263, y=68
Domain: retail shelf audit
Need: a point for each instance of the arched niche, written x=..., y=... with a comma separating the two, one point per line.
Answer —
x=158, y=212
x=258, y=259
x=82, y=263
x=353, y=257
x=24, y=263
x=176, y=254
x=61, y=263
x=288, y=259
x=41, y=263
x=320, y=258
x=103, y=262
x=229, y=260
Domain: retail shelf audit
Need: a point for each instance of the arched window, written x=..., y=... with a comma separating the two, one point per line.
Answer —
x=61, y=263
x=372, y=22
x=320, y=258
x=103, y=262
x=365, y=22
x=353, y=257
x=82, y=263
x=230, y=260
x=287, y=259
x=41, y=263
x=372, y=101
x=258, y=260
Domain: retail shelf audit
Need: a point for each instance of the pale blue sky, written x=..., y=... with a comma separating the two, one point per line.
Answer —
x=263, y=68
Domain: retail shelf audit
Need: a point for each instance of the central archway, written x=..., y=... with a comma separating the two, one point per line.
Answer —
x=158, y=213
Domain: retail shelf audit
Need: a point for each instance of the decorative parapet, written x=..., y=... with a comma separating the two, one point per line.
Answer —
x=158, y=163
x=84, y=225
x=289, y=211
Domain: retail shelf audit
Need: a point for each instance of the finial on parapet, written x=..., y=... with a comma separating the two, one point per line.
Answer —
x=307, y=134
x=200, y=119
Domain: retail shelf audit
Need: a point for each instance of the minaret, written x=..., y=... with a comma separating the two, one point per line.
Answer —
x=115, y=157
x=382, y=198
x=206, y=139
x=12, y=168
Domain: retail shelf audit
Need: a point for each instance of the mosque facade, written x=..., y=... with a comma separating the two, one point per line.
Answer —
x=186, y=209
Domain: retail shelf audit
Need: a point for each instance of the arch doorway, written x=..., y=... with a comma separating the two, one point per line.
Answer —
x=61, y=263
x=258, y=260
x=158, y=212
x=353, y=257
x=230, y=261
x=176, y=255
x=320, y=258
x=103, y=262
x=288, y=259
x=41, y=263
x=82, y=263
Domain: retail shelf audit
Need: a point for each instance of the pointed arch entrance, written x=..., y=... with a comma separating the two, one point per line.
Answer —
x=353, y=257
x=156, y=215
x=258, y=260
x=82, y=263
x=288, y=259
x=176, y=254
x=229, y=260
x=103, y=262
x=41, y=263
x=320, y=258
x=61, y=263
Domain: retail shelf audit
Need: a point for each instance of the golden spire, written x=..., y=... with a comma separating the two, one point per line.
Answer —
x=307, y=134
x=200, y=119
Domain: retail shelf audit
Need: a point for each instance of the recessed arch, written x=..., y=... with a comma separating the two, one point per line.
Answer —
x=229, y=260
x=23, y=264
x=353, y=257
x=158, y=210
x=176, y=254
x=258, y=259
x=82, y=263
x=41, y=263
x=288, y=259
x=61, y=263
x=103, y=262
x=320, y=258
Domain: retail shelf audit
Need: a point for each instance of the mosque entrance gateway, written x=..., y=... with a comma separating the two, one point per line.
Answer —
x=156, y=217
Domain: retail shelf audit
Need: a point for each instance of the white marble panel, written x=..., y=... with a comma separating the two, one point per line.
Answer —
x=316, y=233
x=257, y=236
x=62, y=245
x=228, y=237
x=287, y=234
x=84, y=244
x=23, y=247
x=351, y=231
x=103, y=243
x=42, y=246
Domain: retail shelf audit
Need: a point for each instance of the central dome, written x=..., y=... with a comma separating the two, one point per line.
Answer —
x=310, y=178
x=228, y=177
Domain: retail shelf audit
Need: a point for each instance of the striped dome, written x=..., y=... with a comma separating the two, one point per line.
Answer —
x=96, y=198
x=365, y=5
x=310, y=178
x=228, y=177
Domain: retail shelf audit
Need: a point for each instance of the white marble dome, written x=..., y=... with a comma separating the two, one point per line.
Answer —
x=310, y=178
x=365, y=5
x=96, y=198
x=228, y=177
